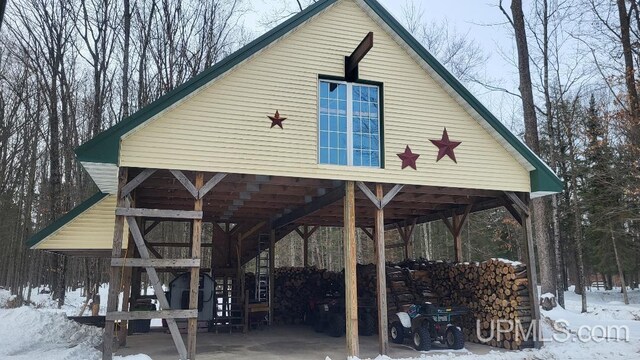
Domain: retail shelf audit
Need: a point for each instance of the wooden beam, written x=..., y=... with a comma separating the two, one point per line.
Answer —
x=144, y=175
x=114, y=275
x=518, y=202
x=157, y=286
x=196, y=254
x=147, y=229
x=158, y=213
x=390, y=195
x=310, y=208
x=368, y=233
x=184, y=180
x=369, y=194
x=157, y=263
x=126, y=291
x=147, y=315
x=352, y=61
x=447, y=223
x=512, y=210
x=174, y=244
x=381, y=278
x=438, y=214
x=406, y=232
x=215, y=180
x=350, y=261
x=252, y=231
x=457, y=239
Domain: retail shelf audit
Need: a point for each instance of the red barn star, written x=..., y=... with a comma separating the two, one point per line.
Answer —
x=408, y=158
x=446, y=146
x=276, y=119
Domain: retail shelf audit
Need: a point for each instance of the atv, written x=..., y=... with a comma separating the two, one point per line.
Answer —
x=328, y=315
x=425, y=323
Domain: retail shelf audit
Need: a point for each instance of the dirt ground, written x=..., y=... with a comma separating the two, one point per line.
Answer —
x=273, y=343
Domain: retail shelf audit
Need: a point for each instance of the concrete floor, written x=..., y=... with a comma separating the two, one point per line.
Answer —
x=273, y=343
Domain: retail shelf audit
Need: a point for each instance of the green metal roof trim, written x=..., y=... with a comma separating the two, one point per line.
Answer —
x=59, y=223
x=104, y=147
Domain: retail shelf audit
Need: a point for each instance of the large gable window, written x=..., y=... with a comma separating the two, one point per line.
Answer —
x=349, y=124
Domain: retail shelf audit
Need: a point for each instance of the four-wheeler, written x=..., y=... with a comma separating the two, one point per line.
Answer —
x=328, y=315
x=425, y=323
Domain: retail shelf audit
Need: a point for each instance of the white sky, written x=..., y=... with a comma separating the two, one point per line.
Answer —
x=481, y=20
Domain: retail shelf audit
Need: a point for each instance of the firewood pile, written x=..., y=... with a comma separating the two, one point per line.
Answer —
x=294, y=287
x=492, y=290
x=399, y=290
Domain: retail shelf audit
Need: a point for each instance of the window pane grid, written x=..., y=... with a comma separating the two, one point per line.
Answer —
x=355, y=132
x=333, y=123
x=366, y=134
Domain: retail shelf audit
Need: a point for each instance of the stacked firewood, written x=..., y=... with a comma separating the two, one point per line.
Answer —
x=295, y=287
x=399, y=292
x=494, y=291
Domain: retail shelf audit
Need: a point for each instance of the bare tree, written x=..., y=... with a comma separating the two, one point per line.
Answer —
x=545, y=256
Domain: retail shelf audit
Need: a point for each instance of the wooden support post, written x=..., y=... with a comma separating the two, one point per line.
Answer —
x=272, y=267
x=350, y=280
x=114, y=276
x=126, y=291
x=532, y=276
x=406, y=233
x=195, y=272
x=455, y=227
x=381, y=284
x=305, y=234
x=457, y=239
x=305, y=256
x=214, y=237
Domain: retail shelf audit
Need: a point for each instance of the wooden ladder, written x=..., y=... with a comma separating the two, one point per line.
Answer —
x=229, y=303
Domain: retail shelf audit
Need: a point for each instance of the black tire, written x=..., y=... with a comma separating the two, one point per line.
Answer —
x=368, y=325
x=453, y=338
x=396, y=332
x=318, y=324
x=422, y=339
x=336, y=326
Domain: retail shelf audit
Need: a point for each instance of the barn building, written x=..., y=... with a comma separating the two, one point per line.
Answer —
x=336, y=117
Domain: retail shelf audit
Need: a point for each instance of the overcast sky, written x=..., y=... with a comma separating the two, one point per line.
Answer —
x=481, y=20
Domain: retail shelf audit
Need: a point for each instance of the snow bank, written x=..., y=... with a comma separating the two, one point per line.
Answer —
x=27, y=333
x=5, y=297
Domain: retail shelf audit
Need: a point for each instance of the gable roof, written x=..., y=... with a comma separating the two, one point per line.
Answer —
x=104, y=148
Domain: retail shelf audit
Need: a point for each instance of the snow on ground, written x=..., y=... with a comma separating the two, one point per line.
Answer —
x=42, y=331
x=605, y=308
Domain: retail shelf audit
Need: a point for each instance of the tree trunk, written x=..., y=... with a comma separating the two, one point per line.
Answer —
x=577, y=218
x=619, y=265
x=629, y=73
x=125, y=58
x=540, y=220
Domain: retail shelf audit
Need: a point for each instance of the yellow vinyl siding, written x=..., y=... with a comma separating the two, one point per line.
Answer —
x=91, y=230
x=224, y=126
